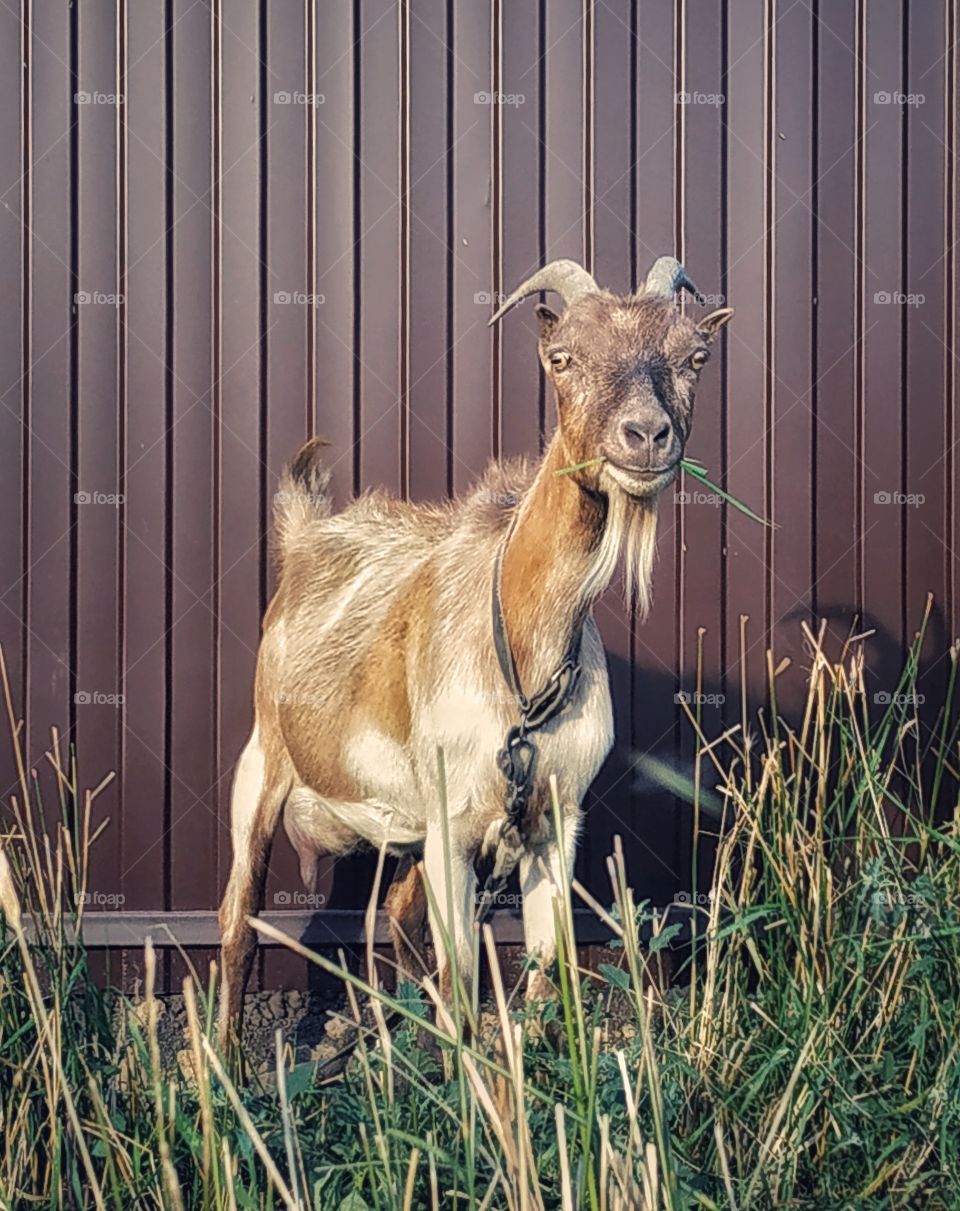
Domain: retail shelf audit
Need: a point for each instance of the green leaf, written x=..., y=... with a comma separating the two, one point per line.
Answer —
x=354, y=1202
x=245, y=1199
x=666, y=935
x=616, y=976
x=299, y=1079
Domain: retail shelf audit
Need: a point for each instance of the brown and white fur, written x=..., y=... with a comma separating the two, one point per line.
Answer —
x=377, y=647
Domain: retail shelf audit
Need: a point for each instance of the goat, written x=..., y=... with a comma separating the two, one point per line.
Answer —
x=377, y=648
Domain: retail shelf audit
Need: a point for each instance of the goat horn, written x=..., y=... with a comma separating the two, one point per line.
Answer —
x=666, y=277
x=566, y=278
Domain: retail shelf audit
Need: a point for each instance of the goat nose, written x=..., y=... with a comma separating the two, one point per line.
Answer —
x=645, y=436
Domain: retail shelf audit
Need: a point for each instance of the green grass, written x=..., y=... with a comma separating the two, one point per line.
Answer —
x=806, y=1057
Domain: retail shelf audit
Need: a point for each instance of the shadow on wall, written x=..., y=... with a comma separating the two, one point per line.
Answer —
x=643, y=793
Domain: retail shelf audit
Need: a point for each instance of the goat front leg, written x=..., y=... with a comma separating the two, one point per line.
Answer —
x=541, y=883
x=456, y=930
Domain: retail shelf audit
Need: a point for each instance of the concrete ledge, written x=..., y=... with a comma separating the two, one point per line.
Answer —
x=329, y=927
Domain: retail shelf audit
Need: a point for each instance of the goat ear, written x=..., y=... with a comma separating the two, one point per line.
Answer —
x=546, y=319
x=711, y=324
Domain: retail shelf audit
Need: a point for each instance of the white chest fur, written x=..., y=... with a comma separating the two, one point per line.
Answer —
x=401, y=785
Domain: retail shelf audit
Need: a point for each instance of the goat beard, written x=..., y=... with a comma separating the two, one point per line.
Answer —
x=630, y=534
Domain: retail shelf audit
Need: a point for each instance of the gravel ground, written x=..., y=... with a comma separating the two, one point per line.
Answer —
x=301, y=1016
x=311, y=1023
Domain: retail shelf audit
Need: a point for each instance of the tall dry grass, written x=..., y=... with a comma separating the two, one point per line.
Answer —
x=806, y=1057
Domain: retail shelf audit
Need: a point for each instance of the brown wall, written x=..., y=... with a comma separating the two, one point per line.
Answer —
x=404, y=199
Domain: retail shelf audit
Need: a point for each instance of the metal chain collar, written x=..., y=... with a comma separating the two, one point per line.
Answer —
x=517, y=760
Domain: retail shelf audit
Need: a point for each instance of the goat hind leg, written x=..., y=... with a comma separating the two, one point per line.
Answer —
x=256, y=802
x=406, y=905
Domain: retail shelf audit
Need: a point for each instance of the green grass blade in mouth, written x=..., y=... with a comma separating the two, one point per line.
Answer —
x=698, y=471
x=579, y=466
x=694, y=468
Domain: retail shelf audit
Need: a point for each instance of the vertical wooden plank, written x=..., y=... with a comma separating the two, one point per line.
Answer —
x=927, y=346
x=193, y=832
x=378, y=337
x=51, y=482
x=882, y=283
x=428, y=238
x=701, y=112
x=14, y=358
x=337, y=256
x=474, y=106
x=290, y=301
x=656, y=639
x=792, y=292
x=747, y=420
x=701, y=517
x=237, y=369
x=833, y=393
x=146, y=336
x=522, y=237
x=99, y=692
x=609, y=130
x=562, y=133
x=337, y=252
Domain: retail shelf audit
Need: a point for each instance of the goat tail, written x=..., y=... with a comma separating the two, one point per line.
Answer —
x=304, y=494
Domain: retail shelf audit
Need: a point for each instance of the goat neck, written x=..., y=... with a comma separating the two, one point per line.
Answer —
x=551, y=567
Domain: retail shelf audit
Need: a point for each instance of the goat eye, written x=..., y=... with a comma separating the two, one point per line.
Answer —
x=699, y=359
x=560, y=360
